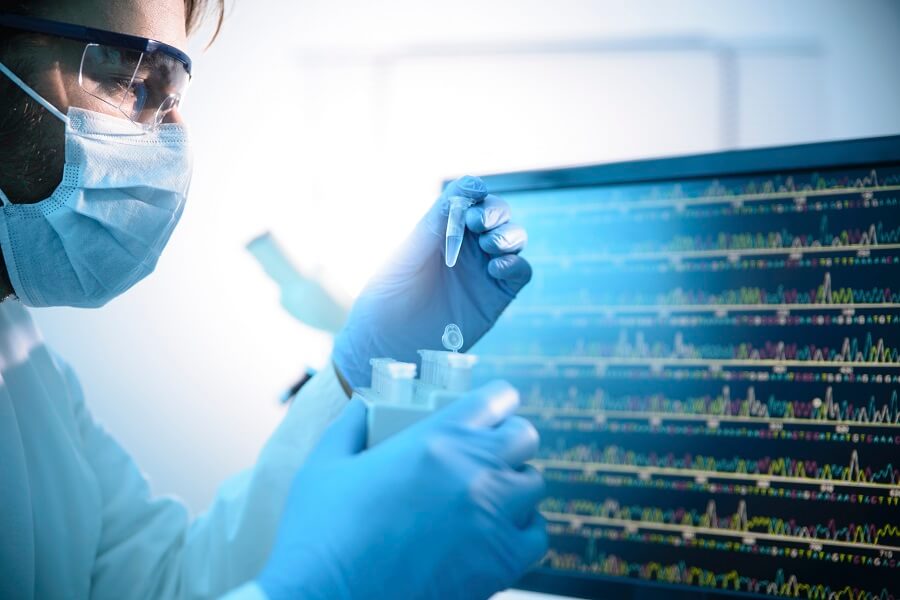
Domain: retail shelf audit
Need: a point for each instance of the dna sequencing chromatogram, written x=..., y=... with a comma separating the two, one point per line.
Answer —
x=714, y=368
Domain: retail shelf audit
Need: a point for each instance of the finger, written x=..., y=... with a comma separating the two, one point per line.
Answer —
x=515, y=441
x=345, y=436
x=467, y=186
x=487, y=406
x=523, y=491
x=491, y=213
x=508, y=238
x=511, y=271
x=533, y=540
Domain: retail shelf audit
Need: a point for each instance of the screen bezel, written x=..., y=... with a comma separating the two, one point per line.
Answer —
x=867, y=152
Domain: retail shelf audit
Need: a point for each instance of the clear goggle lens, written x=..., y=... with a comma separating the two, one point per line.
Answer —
x=143, y=86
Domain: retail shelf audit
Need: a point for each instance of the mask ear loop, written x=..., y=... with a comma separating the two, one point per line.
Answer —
x=37, y=97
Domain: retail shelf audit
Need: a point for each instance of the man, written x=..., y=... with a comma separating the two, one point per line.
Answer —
x=94, y=170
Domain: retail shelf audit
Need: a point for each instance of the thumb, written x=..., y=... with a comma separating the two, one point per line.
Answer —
x=467, y=186
x=346, y=436
x=484, y=407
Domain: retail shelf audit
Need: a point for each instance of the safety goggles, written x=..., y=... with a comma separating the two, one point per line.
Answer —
x=142, y=78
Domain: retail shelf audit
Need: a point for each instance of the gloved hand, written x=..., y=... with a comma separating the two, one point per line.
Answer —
x=406, y=307
x=444, y=509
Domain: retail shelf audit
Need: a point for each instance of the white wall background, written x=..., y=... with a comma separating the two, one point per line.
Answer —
x=332, y=122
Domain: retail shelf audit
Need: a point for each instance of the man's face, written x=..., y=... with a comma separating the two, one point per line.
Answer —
x=50, y=66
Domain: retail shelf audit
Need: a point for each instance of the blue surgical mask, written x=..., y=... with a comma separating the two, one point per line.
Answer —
x=103, y=229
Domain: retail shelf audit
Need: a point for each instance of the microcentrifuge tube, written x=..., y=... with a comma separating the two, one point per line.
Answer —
x=456, y=228
x=452, y=338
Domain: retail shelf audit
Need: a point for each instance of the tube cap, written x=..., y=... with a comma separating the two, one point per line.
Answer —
x=452, y=338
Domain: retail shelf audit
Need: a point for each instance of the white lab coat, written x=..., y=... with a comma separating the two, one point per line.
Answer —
x=77, y=519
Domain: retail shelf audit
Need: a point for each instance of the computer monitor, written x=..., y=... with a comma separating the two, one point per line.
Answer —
x=710, y=349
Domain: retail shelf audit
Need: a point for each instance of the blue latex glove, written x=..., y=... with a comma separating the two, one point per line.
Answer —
x=406, y=307
x=444, y=509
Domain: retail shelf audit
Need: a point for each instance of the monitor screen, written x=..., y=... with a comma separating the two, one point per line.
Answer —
x=710, y=349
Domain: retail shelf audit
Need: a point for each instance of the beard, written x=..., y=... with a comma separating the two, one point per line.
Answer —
x=32, y=155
